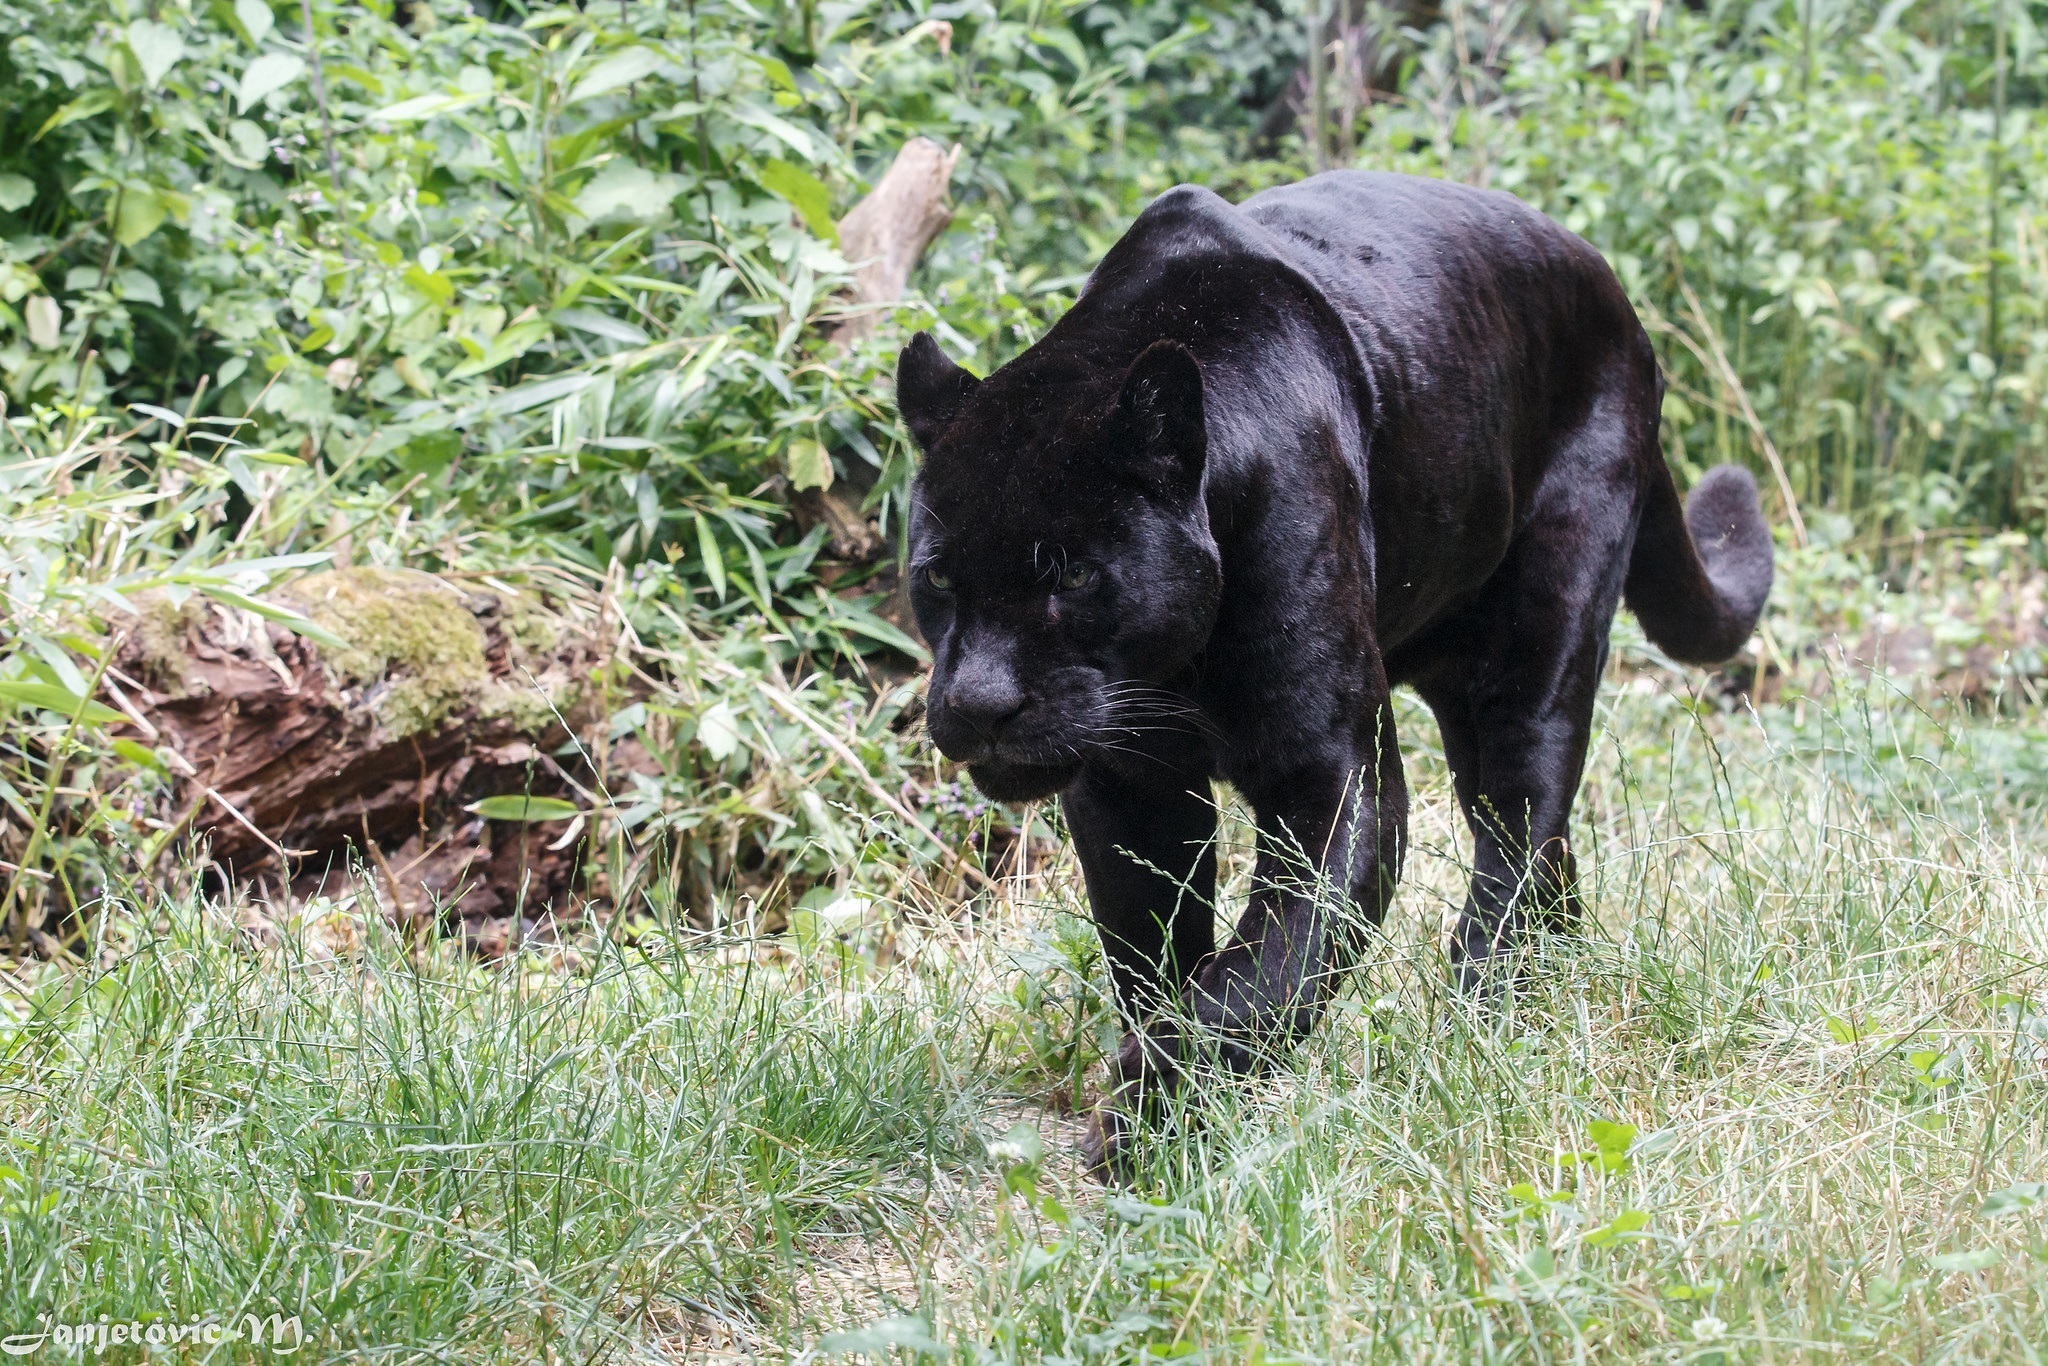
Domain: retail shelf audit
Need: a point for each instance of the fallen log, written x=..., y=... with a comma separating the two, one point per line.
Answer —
x=302, y=767
x=884, y=236
x=298, y=764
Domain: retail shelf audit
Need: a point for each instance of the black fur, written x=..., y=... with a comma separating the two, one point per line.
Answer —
x=1360, y=431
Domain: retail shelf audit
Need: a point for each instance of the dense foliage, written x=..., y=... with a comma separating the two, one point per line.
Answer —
x=1830, y=215
x=499, y=286
x=469, y=290
x=559, y=272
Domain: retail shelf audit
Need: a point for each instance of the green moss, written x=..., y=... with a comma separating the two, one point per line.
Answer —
x=534, y=632
x=405, y=630
x=539, y=688
x=161, y=629
x=418, y=649
x=529, y=710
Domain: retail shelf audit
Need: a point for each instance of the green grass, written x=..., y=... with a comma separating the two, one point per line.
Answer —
x=1815, y=991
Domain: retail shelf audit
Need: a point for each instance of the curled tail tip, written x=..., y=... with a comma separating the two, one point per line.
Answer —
x=1725, y=519
x=1698, y=578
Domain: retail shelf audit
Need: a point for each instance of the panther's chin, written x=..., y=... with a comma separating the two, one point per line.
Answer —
x=1002, y=781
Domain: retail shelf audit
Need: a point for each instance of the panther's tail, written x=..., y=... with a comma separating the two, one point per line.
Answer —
x=1697, y=578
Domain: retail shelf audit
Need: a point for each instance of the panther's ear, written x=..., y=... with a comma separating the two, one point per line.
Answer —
x=929, y=388
x=1162, y=410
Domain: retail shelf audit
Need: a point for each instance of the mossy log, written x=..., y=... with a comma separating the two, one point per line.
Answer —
x=302, y=765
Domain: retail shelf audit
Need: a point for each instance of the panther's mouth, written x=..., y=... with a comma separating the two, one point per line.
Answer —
x=1003, y=780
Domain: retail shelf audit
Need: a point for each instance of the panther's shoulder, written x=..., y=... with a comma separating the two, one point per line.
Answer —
x=1185, y=223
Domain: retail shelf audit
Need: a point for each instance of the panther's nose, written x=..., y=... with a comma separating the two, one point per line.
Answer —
x=985, y=694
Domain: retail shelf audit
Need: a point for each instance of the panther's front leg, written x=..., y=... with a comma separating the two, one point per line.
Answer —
x=1331, y=835
x=1148, y=853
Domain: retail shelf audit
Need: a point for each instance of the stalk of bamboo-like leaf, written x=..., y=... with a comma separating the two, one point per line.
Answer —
x=83, y=709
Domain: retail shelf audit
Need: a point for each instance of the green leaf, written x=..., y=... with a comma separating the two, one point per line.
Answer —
x=160, y=414
x=810, y=465
x=271, y=72
x=431, y=283
x=718, y=731
x=16, y=192
x=1979, y=1259
x=416, y=379
x=539, y=392
x=249, y=143
x=50, y=697
x=795, y=138
x=138, y=212
x=625, y=190
x=508, y=345
x=1627, y=1222
x=602, y=325
x=714, y=558
x=2015, y=1199
x=1022, y=1146
x=1843, y=1031
x=619, y=69
x=520, y=807
x=693, y=377
x=366, y=79
x=851, y=616
x=157, y=48
x=291, y=621
x=879, y=1339
x=1608, y=1136
x=94, y=101
x=803, y=192
x=777, y=71
x=44, y=317
x=255, y=18
x=426, y=107
x=429, y=452
x=140, y=755
x=137, y=288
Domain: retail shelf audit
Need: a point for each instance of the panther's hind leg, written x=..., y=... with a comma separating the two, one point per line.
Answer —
x=1513, y=683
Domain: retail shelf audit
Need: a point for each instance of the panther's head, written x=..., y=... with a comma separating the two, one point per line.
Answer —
x=1061, y=559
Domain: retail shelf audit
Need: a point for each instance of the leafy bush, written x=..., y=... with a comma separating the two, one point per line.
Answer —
x=1801, y=199
x=469, y=290
x=568, y=268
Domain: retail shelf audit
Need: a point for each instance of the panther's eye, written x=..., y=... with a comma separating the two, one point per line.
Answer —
x=1077, y=576
x=938, y=579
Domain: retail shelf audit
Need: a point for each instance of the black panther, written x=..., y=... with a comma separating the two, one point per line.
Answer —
x=1360, y=431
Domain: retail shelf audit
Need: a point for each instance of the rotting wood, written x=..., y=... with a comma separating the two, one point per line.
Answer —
x=884, y=236
x=290, y=758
